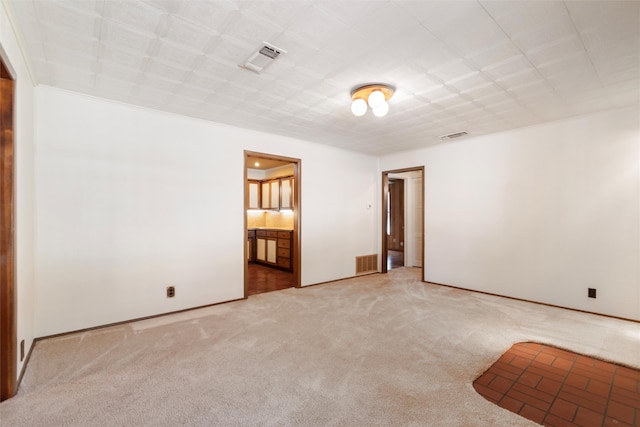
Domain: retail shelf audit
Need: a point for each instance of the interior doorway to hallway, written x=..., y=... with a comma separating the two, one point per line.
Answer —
x=272, y=223
x=395, y=223
x=402, y=218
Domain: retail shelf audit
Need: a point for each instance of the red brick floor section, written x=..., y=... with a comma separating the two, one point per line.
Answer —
x=559, y=388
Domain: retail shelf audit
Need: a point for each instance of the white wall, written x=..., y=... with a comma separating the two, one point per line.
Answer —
x=24, y=183
x=131, y=200
x=540, y=213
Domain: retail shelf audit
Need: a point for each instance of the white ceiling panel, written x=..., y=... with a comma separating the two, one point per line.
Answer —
x=169, y=72
x=231, y=51
x=394, y=21
x=524, y=78
x=216, y=15
x=515, y=65
x=481, y=66
x=554, y=28
x=525, y=15
x=556, y=50
x=601, y=14
x=433, y=54
x=139, y=15
x=315, y=27
x=194, y=37
x=530, y=89
x=70, y=16
x=437, y=92
x=118, y=36
x=453, y=71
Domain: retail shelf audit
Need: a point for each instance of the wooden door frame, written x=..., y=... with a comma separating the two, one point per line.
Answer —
x=297, y=197
x=385, y=198
x=8, y=309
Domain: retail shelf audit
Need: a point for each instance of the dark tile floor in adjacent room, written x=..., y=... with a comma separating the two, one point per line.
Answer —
x=559, y=388
x=266, y=279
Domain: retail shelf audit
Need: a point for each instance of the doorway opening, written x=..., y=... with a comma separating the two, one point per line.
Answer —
x=395, y=224
x=272, y=223
x=8, y=323
x=403, y=218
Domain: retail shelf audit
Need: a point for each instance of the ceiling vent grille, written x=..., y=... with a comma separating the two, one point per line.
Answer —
x=262, y=58
x=453, y=135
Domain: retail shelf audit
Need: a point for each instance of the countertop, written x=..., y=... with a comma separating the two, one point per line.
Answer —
x=270, y=228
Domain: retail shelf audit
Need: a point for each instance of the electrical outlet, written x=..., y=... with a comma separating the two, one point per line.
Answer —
x=171, y=291
x=592, y=293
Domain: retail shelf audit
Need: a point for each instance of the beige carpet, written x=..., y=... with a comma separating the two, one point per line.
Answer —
x=378, y=350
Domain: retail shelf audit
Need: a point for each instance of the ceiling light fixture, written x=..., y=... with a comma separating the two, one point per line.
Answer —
x=375, y=95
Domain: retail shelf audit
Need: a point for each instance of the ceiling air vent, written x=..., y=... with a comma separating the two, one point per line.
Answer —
x=453, y=135
x=262, y=57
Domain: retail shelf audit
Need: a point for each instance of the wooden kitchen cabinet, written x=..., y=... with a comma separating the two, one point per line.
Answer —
x=254, y=194
x=275, y=194
x=266, y=246
x=251, y=245
x=286, y=193
x=264, y=195
x=270, y=192
x=273, y=247
x=284, y=249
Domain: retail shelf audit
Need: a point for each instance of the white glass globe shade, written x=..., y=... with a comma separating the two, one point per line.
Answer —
x=381, y=110
x=359, y=107
x=376, y=98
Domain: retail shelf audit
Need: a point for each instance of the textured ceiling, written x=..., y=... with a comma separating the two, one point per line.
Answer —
x=478, y=66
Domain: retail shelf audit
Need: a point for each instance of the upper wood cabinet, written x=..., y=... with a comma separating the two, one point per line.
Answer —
x=275, y=194
x=268, y=191
x=264, y=195
x=286, y=193
x=254, y=194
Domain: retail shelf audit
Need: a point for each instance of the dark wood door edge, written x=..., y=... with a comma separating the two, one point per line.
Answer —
x=8, y=326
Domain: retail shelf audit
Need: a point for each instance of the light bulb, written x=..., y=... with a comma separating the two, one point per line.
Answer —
x=359, y=107
x=376, y=98
x=381, y=110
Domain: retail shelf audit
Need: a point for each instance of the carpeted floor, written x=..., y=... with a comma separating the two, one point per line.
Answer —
x=376, y=350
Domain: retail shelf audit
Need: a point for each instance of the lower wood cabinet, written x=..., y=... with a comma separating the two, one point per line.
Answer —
x=284, y=249
x=273, y=247
x=251, y=245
